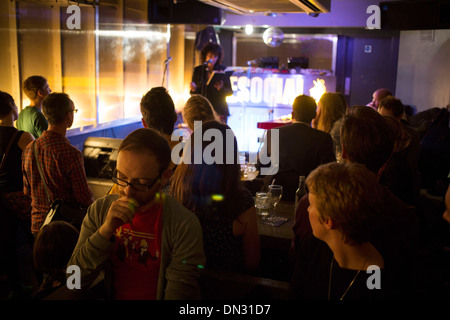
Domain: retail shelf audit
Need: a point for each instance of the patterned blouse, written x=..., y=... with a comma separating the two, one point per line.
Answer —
x=222, y=249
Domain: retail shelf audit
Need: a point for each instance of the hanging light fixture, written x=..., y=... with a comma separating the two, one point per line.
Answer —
x=273, y=37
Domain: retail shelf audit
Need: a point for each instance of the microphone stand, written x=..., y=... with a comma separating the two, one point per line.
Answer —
x=166, y=63
x=204, y=67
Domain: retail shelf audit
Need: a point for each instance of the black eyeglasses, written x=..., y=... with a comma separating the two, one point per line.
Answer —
x=136, y=186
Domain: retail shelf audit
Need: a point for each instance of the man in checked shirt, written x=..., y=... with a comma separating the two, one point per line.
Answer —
x=62, y=163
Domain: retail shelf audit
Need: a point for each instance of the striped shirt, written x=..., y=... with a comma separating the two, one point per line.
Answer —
x=63, y=168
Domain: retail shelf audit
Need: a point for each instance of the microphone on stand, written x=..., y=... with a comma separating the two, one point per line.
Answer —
x=166, y=63
x=208, y=61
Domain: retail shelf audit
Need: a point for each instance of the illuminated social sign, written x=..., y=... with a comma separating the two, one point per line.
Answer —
x=273, y=89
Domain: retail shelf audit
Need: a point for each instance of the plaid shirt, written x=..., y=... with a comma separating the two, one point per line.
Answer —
x=63, y=168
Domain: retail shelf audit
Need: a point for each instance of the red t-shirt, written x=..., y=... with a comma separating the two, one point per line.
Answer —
x=136, y=256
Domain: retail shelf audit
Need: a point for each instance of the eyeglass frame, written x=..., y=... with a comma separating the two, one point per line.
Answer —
x=115, y=179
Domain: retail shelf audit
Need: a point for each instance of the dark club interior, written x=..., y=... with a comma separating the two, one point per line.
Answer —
x=267, y=61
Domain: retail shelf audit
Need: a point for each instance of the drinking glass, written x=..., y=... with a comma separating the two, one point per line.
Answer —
x=262, y=204
x=275, y=193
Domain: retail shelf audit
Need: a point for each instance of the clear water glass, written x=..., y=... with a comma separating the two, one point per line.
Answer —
x=263, y=205
x=275, y=194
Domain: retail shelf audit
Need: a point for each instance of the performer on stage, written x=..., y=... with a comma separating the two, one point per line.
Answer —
x=216, y=91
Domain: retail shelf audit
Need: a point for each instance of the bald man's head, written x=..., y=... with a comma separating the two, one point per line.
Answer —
x=379, y=95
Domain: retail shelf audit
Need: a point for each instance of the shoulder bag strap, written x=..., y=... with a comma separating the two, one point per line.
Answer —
x=40, y=171
x=7, y=150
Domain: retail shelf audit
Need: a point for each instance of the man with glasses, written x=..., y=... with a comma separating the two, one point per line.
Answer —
x=62, y=164
x=151, y=246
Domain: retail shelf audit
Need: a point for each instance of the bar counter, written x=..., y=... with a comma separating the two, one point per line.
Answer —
x=283, y=232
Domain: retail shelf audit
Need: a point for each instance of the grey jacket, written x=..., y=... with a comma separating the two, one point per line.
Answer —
x=182, y=254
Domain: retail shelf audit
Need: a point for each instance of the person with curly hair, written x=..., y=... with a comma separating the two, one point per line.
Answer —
x=216, y=92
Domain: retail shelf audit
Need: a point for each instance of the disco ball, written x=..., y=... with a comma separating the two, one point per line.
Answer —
x=273, y=37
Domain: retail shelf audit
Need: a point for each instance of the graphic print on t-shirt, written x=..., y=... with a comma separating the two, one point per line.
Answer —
x=135, y=257
x=133, y=245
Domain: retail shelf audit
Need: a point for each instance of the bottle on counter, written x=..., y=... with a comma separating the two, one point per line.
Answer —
x=301, y=191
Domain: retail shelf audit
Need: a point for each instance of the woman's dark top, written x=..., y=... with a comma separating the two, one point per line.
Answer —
x=216, y=97
x=222, y=249
x=311, y=277
x=11, y=178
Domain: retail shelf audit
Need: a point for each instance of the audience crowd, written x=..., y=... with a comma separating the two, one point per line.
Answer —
x=163, y=224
